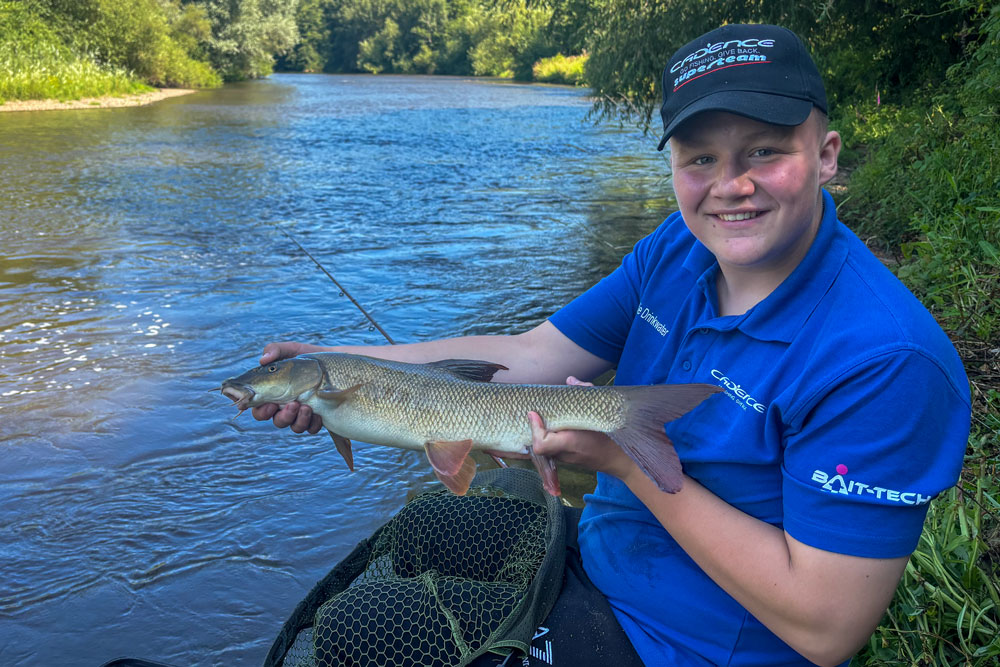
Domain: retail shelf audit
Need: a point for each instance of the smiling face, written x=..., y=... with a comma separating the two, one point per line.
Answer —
x=750, y=191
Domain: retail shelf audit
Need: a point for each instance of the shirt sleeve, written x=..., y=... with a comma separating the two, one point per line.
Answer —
x=869, y=450
x=599, y=319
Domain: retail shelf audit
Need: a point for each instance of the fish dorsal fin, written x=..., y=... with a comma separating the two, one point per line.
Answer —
x=337, y=396
x=469, y=369
x=344, y=447
x=452, y=464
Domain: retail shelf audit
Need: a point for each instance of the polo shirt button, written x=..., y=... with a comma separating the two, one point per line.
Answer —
x=686, y=365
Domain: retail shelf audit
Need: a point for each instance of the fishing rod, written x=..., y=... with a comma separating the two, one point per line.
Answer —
x=343, y=290
x=499, y=461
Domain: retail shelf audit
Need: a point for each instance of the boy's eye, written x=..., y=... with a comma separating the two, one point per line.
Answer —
x=762, y=152
x=703, y=160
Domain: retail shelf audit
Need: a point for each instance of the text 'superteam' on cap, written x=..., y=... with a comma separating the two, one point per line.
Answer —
x=762, y=72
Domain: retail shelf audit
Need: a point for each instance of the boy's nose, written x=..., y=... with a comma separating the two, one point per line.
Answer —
x=733, y=182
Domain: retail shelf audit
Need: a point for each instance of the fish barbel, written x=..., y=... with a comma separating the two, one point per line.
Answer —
x=447, y=408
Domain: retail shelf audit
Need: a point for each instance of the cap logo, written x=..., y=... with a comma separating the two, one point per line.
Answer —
x=714, y=57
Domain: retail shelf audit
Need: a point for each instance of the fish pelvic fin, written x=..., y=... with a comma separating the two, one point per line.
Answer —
x=338, y=396
x=643, y=438
x=469, y=369
x=344, y=448
x=452, y=463
x=546, y=468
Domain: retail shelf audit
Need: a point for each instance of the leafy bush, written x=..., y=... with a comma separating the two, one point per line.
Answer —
x=561, y=69
x=137, y=36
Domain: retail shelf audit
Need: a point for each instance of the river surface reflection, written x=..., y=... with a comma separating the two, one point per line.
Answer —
x=143, y=263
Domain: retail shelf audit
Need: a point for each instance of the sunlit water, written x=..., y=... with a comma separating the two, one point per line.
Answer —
x=142, y=264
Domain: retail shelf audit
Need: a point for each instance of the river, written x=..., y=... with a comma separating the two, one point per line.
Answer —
x=144, y=261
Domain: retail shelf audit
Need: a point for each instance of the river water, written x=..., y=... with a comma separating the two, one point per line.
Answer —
x=143, y=262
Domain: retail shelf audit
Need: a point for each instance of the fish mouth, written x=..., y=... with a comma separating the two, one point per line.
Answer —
x=241, y=395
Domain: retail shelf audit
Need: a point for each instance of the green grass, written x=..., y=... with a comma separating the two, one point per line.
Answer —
x=46, y=73
x=946, y=607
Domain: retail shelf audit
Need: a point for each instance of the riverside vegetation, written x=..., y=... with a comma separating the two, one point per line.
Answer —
x=914, y=87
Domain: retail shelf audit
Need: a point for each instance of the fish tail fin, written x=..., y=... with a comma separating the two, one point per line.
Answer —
x=643, y=438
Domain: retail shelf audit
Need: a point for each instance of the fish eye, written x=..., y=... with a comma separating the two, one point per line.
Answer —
x=272, y=368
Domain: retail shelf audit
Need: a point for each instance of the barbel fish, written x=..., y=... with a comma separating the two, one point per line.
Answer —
x=447, y=408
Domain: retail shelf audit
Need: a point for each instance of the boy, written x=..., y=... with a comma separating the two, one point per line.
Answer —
x=846, y=408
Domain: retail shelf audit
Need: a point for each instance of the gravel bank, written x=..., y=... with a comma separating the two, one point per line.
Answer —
x=136, y=100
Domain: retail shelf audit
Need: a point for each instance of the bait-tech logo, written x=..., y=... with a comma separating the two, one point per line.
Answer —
x=838, y=483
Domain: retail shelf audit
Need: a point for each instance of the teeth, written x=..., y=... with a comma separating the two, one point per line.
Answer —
x=736, y=217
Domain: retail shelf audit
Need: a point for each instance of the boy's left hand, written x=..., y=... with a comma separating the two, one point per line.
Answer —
x=589, y=449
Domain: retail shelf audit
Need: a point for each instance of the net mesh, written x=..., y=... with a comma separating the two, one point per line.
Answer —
x=443, y=579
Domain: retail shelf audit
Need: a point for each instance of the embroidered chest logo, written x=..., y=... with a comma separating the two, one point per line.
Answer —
x=737, y=393
x=838, y=483
x=647, y=316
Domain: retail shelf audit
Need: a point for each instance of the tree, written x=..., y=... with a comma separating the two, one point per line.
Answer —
x=247, y=34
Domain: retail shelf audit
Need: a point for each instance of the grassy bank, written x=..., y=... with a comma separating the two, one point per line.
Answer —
x=35, y=63
x=925, y=191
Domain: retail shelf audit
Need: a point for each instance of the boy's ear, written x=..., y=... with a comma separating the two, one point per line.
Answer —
x=829, y=150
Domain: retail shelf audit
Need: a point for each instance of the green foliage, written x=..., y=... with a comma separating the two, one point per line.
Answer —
x=190, y=43
x=35, y=63
x=138, y=36
x=247, y=34
x=406, y=39
x=514, y=39
x=561, y=69
x=947, y=607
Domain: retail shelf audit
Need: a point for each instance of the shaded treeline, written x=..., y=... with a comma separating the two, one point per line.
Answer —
x=465, y=37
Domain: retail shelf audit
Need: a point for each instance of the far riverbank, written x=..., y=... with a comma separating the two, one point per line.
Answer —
x=106, y=102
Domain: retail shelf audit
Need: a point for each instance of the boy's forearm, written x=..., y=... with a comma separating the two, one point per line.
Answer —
x=542, y=355
x=823, y=605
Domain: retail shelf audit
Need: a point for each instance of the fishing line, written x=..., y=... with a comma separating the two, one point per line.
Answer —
x=343, y=290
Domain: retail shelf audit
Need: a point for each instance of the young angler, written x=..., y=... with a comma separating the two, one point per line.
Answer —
x=846, y=407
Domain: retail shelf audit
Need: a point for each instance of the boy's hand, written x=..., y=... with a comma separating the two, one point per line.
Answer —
x=589, y=449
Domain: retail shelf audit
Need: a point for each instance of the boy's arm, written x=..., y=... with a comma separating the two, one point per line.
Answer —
x=823, y=604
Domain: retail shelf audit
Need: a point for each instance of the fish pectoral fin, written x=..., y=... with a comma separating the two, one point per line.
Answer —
x=469, y=369
x=452, y=464
x=338, y=396
x=344, y=447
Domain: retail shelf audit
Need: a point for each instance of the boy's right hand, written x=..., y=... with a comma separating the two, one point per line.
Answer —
x=298, y=417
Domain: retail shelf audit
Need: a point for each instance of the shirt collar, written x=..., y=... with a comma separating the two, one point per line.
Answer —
x=781, y=315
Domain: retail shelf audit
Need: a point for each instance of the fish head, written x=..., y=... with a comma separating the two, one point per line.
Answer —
x=278, y=382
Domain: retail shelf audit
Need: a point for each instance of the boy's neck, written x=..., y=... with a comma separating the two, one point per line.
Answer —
x=738, y=291
x=735, y=298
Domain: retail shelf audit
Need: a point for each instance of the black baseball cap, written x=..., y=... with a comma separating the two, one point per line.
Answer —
x=763, y=72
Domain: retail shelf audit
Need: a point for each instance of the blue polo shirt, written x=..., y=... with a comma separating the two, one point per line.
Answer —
x=846, y=410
